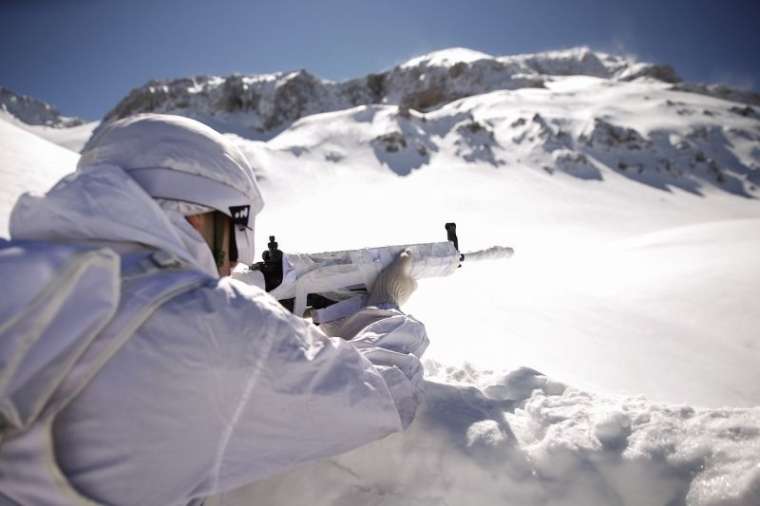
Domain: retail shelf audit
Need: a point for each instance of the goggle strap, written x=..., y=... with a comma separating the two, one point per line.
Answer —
x=218, y=250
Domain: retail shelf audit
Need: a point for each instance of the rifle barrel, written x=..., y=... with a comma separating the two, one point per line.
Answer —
x=492, y=253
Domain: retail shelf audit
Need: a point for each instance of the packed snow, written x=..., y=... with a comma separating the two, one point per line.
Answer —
x=635, y=289
x=28, y=163
x=521, y=439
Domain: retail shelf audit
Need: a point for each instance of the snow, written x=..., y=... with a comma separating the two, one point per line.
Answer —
x=636, y=295
x=602, y=262
x=28, y=163
x=656, y=314
x=523, y=439
x=32, y=111
x=259, y=107
x=634, y=289
x=447, y=57
x=72, y=138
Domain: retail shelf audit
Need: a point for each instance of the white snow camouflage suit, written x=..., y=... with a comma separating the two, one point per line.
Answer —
x=220, y=386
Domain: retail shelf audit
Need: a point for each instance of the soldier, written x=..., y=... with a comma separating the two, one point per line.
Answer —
x=191, y=383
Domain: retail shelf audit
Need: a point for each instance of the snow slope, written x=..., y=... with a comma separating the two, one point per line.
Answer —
x=635, y=282
x=28, y=163
x=72, y=138
x=581, y=126
x=44, y=120
x=671, y=314
x=539, y=170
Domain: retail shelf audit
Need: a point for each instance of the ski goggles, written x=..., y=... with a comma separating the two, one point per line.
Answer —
x=174, y=185
x=241, y=247
x=237, y=245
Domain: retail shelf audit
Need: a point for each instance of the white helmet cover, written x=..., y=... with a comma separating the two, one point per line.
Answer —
x=180, y=159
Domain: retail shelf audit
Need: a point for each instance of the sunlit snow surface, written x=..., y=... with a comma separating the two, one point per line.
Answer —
x=27, y=163
x=623, y=281
x=639, y=290
x=72, y=138
x=635, y=293
x=447, y=57
x=522, y=439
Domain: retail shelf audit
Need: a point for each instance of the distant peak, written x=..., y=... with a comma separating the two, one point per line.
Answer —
x=32, y=111
x=447, y=57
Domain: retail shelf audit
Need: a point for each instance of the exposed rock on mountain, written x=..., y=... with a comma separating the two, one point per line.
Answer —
x=575, y=112
x=261, y=106
x=578, y=126
x=32, y=111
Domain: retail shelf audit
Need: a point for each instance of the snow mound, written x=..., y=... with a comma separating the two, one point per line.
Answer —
x=28, y=164
x=521, y=438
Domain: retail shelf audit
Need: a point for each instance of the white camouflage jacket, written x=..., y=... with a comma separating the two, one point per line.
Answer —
x=221, y=386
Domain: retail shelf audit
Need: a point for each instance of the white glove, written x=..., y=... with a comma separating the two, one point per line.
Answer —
x=394, y=285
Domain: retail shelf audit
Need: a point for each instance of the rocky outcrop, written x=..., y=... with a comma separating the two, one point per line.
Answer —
x=265, y=104
x=33, y=111
x=607, y=135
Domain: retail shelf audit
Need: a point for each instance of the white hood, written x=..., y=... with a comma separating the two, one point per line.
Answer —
x=177, y=145
x=103, y=204
x=177, y=159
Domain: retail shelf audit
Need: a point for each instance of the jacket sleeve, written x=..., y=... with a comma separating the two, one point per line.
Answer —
x=305, y=395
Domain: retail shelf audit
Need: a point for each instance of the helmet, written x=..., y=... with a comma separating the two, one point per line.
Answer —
x=178, y=159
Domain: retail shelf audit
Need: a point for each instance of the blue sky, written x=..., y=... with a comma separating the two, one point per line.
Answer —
x=84, y=55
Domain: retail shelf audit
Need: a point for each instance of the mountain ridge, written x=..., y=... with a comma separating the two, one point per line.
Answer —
x=35, y=112
x=575, y=112
x=271, y=102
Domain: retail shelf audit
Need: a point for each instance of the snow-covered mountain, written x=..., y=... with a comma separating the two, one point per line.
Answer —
x=632, y=202
x=577, y=176
x=632, y=205
x=574, y=111
x=260, y=106
x=32, y=111
x=28, y=163
x=580, y=126
x=44, y=120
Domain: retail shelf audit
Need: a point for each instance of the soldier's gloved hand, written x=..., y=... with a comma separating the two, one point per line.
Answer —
x=394, y=285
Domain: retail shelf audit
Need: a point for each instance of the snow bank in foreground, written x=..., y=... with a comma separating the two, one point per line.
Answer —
x=520, y=438
x=28, y=163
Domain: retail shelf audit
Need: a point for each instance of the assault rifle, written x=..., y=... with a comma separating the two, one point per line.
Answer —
x=335, y=283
